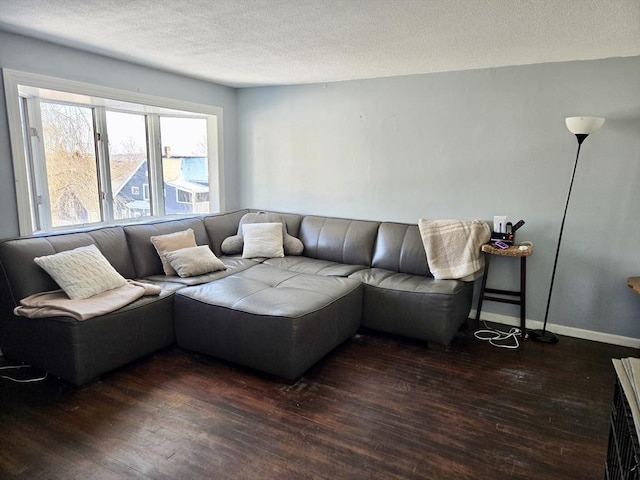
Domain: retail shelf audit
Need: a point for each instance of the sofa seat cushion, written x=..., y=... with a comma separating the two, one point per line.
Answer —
x=314, y=266
x=268, y=290
x=406, y=282
x=232, y=264
x=274, y=320
x=413, y=305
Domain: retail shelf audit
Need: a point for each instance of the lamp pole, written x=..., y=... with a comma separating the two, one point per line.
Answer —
x=581, y=127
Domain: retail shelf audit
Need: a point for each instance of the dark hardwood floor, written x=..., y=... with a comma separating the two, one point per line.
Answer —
x=378, y=407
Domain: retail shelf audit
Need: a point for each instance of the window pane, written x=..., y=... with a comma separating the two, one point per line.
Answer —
x=72, y=173
x=128, y=164
x=183, y=196
x=185, y=165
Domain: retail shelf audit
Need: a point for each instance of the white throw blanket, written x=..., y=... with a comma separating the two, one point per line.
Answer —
x=56, y=303
x=453, y=247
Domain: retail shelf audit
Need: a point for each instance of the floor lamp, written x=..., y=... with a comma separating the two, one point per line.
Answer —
x=581, y=127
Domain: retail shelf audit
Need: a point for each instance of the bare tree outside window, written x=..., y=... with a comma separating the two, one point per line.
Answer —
x=70, y=156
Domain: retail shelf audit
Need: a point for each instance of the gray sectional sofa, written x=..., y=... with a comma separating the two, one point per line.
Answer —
x=277, y=315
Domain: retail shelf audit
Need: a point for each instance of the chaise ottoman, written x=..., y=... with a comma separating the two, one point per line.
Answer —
x=267, y=318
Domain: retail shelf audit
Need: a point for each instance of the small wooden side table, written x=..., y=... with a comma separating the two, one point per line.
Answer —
x=513, y=251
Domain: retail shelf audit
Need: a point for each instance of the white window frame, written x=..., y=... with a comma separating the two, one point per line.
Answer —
x=14, y=79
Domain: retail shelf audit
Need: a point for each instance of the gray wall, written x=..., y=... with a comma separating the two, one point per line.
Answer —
x=470, y=145
x=34, y=56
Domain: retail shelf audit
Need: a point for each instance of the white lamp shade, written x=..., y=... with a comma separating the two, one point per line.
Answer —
x=583, y=125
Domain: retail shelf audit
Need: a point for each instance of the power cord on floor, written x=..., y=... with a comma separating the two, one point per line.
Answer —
x=493, y=335
x=17, y=380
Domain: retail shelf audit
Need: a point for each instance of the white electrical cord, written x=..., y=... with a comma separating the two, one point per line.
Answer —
x=28, y=380
x=493, y=335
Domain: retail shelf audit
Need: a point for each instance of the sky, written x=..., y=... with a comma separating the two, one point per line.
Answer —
x=185, y=136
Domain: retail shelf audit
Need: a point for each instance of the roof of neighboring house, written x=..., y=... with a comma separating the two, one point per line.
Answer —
x=195, y=169
x=123, y=168
x=188, y=186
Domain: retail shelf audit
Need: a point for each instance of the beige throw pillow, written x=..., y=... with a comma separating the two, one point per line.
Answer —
x=262, y=240
x=189, y=262
x=82, y=272
x=170, y=242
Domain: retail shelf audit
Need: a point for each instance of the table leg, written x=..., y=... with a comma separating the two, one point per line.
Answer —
x=483, y=285
x=523, y=289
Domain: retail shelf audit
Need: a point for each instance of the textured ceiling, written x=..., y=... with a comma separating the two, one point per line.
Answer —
x=275, y=42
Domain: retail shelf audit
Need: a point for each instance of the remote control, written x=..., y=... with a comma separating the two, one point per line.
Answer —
x=517, y=225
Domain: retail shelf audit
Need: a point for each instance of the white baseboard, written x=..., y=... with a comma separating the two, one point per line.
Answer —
x=561, y=329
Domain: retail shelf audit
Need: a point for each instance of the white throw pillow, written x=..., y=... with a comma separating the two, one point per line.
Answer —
x=169, y=243
x=189, y=262
x=262, y=240
x=82, y=272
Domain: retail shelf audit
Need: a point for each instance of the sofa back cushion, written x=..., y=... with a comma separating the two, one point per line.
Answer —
x=146, y=260
x=292, y=220
x=220, y=226
x=338, y=239
x=24, y=277
x=399, y=248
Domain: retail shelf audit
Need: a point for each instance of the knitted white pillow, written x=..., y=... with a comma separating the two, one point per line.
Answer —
x=82, y=272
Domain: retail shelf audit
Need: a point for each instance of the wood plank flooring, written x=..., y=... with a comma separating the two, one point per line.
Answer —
x=378, y=407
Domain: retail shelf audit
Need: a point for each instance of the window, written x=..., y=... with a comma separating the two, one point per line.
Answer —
x=202, y=197
x=83, y=154
x=71, y=195
x=184, y=162
x=182, y=196
x=128, y=155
